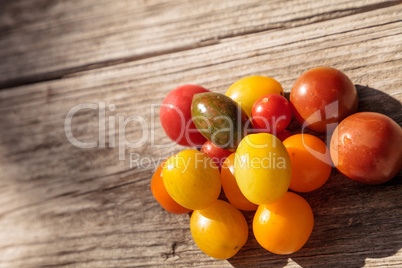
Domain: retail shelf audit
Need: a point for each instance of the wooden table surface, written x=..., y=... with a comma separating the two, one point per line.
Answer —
x=66, y=206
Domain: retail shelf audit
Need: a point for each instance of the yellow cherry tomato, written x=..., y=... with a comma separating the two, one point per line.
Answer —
x=192, y=179
x=162, y=196
x=219, y=230
x=230, y=187
x=248, y=90
x=284, y=227
x=262, y=168
x=311, y=162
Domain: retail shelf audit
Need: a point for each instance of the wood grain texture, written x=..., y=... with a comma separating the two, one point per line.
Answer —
x=64, y=206
x=47, y=39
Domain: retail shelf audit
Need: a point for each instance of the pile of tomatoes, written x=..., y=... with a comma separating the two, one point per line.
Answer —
x=246, y=150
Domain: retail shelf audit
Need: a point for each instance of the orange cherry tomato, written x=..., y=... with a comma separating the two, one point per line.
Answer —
x=219, y=230
x=310, y=160
x=283, y=227
x=162, y=196
x=230, y=187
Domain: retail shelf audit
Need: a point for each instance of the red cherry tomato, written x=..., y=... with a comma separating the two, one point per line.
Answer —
x=217, y=154
x=271, y=114
x=283, y=135
x=162, y=196
x=175, y=116
x=322, y=97
x=367, y=147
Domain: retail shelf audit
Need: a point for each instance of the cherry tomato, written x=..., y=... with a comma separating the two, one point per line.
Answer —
x=217, y=154
x=283, y=135
x=230, y=187
x=271, y=114
x=192, y=179
x=322, y=97
x=284, y=227
x=161, y=195
x=175, y=116
x=219, y=230
x=367, y=147
x=311, y=162
x=248, y=90
x=220, y=119
x=262, y=168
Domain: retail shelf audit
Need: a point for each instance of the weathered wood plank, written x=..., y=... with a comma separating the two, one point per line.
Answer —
x=47, y=39
x=64, y=206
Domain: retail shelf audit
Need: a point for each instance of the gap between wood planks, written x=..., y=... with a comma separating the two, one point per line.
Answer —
x=340, y=13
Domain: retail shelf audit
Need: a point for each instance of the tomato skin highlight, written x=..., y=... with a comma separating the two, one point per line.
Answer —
x=262, y=168
x=367, y=147
x=162, y=196
x=192, y=179
x=219, y=230
x=311, y=162
x=271, y=114
x=248, y=90
x=321, y=97
x=284, y=227
x=175, y=116
x=231, y=189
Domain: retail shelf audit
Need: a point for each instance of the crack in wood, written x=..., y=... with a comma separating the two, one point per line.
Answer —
x=172, y=254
